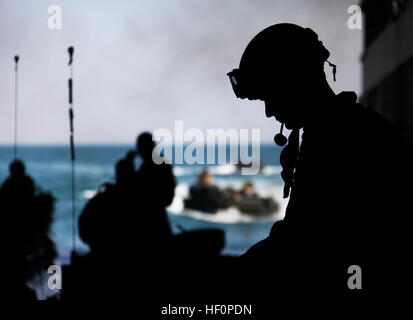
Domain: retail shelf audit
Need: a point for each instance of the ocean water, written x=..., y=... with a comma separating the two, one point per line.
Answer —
x=50, y=167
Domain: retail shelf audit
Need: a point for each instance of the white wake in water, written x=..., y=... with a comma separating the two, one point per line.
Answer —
x=222, y=170
x=230, y=215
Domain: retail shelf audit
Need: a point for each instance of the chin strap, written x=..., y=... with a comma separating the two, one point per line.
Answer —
x=334, y=69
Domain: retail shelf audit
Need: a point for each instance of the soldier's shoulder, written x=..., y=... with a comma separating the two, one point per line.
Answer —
x=356, y=113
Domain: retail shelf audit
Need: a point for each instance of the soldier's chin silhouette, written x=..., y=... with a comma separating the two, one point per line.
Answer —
x=346, y=195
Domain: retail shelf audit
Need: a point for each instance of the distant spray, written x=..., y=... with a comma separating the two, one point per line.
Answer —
x=72, y=147
x=16, y=62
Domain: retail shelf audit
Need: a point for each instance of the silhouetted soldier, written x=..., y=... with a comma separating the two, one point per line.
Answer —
x=109, y=220
x=113, y=224
x=26, y=249
x=127, y=223
x=125, y=172
x=155, y=185
x=18, y=183
x=130, y=215
x=346, y=182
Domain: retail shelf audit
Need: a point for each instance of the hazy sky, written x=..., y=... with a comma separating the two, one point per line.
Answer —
x=141, y=65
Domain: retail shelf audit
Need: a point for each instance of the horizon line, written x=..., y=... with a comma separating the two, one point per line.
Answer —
x=61, y=144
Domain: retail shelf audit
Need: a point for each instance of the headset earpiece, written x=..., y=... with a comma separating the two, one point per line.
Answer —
x=279, y=139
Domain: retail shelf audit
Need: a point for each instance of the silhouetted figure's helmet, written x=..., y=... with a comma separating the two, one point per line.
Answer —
x=17, y=168
x=280, y=54
x=145, y=145
x=18, y=184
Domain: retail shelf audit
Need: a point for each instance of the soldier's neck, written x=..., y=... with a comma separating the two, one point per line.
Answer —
x=320, y=110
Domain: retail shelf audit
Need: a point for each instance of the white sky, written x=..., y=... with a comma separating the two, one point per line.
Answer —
x=141, y=65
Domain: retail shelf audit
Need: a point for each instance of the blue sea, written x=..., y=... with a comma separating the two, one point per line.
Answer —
x=50, y=167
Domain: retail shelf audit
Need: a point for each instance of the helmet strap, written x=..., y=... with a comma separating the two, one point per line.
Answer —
x=334, y=69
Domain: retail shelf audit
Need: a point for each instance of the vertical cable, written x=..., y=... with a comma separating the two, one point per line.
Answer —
x=72, y=148
x=16, y=60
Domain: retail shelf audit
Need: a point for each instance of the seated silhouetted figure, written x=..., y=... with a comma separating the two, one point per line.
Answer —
x=127, y=229
x=346, y=182
x=106, y=218
x=112, y=226
x=130, y=215
x=132, y=211
x=26, y=249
